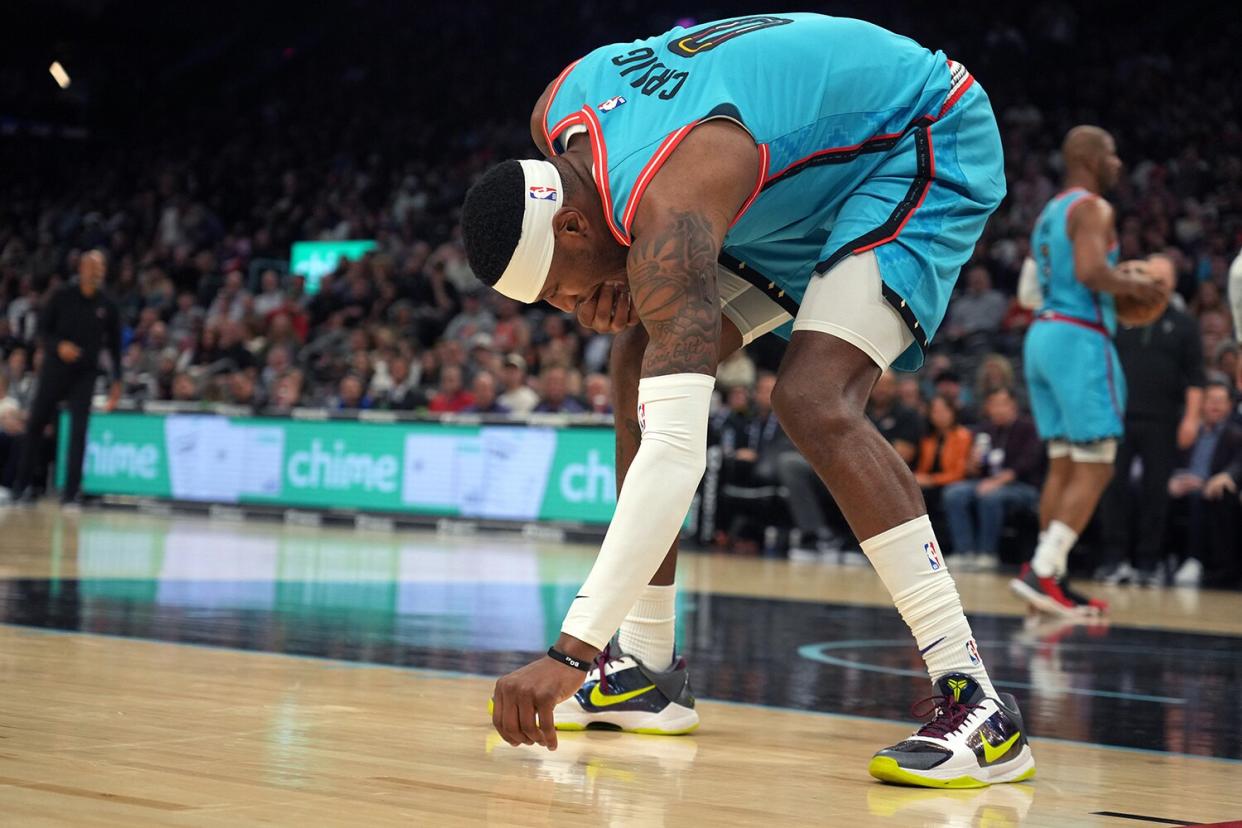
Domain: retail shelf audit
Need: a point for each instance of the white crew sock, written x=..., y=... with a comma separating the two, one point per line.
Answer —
x=648, y=630
x=1053, y=550
x=909, y=562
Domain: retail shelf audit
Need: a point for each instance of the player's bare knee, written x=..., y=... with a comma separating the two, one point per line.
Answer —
x=810, y=410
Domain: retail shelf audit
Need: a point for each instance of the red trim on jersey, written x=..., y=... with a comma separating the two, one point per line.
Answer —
x=647, y=173
x=1083, y=199
x=763, y=175
x=836, y=150
x=961, y=90
x=556, y=87
x=599, y=170
x=931, y=176
x=1054, y=316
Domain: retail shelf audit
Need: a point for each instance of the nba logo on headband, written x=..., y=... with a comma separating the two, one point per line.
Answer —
x=543, y=193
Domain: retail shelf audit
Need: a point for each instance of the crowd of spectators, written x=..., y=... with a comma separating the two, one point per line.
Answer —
x=197, y=208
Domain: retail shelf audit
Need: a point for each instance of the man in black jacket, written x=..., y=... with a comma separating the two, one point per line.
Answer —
x=1163, y=366
x=78, y=322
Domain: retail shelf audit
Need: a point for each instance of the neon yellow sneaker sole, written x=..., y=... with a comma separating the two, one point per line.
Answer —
x=886, y=769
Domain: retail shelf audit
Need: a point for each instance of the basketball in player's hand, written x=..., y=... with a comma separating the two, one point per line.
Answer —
x=1144, y=305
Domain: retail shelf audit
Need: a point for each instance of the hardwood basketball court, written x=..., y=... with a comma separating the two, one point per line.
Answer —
x=181, y=671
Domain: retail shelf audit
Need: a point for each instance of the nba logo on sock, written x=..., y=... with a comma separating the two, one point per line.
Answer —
x=933, y=557
x=973, y=652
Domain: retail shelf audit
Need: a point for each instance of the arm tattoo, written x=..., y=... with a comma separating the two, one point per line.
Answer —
x=673, y=280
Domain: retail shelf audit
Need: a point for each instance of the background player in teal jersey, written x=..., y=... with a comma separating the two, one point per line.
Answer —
x=1075, y=380
x=815, y=176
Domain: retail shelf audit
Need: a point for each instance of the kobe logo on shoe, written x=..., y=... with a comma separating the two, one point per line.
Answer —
x=600, y=700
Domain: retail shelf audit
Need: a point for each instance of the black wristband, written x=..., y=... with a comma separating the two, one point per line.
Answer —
x=576, y=663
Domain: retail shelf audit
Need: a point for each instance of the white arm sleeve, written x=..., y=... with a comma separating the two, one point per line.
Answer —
x=1029, y=294
x=672, y=412
x=1235, y=295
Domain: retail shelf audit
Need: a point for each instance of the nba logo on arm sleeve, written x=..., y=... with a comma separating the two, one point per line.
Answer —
x=543, y=193
x=933, y=557
x=642, y=418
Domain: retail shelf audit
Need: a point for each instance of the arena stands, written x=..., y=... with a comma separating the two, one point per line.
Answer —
x=196, y=179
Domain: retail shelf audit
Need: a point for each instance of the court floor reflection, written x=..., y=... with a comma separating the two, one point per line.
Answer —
x=410, y=600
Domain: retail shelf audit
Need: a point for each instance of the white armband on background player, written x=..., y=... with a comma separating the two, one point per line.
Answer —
x=1235, y=295
x=652, y=504
x=1029, y=294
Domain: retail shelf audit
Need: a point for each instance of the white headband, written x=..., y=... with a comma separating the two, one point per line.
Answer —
x=528, y=269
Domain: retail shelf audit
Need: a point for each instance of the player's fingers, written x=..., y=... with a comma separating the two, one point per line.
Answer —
x=585, y=311
x=620, y=312
x=547, y=723
x=603, y=308
x=526, y=721
x=509, y=721
x=506, y=719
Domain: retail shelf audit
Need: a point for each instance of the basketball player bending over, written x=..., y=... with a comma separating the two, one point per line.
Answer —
x=845, y=205
x=1075, y=379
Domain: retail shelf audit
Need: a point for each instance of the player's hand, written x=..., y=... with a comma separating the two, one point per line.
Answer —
x=1138, y=285
x=114, y=397
x=1183, y=484
x=1187, y=431
x=1218, y=485
x=67, y=351
x=609, y=310
x=522, y=701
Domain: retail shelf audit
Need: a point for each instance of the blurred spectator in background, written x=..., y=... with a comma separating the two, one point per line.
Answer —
x=598, y=393
x=897, y=424
x=351, y=394
x=270, y=298
x=948, y=384
x=241, y=390
x=484, y=391
x=12, y=425
x=288, y=393
x=511, y=333
x=472, y=320
x=554, y=393
x=1205, y=493
x=184, y=388
x=518, y=396
x=452, y=396
x=944, y=454
x=402, y=391
x=996, y=374
x=1163, y=369
x=231, y=302
x=975, y=314
x=910, y=395
x=1004, y=466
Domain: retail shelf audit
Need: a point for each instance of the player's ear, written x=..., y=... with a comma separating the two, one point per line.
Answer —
x=569, y=222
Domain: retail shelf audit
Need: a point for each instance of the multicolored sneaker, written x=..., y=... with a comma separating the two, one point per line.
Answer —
x=1091, y=606
x=972, y=741
x=1044, y=594
x=621, y=693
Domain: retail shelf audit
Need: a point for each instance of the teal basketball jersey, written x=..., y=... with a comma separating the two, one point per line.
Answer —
x=824, y=98
x=1053, y=251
